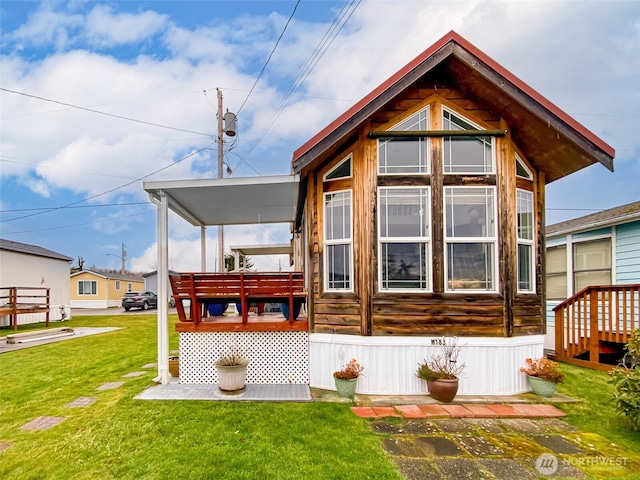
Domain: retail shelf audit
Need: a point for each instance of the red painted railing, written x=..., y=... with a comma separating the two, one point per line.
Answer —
x=18, y=300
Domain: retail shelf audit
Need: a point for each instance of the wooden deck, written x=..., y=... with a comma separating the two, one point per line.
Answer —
x=194, y=292
x=16, y=301
x=595, y=320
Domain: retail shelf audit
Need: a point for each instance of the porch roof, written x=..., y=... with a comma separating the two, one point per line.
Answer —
x=230, y=201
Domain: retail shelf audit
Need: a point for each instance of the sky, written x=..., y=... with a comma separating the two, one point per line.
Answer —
x=97, y=97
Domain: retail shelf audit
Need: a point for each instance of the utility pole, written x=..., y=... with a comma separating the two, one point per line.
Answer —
x=123, y=257
x=220, y=161
x=230, y=127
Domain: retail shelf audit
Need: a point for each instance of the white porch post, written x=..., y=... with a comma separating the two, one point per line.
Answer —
x=163, y=289
x=203, y=249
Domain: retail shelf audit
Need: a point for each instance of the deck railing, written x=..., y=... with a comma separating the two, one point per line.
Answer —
x=193, y=292
x=596, y=314
x=15, y=301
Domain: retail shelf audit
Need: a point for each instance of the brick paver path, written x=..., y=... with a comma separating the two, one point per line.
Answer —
x=43, y=423
x=110, y=385
x=82, y=402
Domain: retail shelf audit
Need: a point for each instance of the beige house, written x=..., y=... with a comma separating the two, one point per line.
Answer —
x=97, y=289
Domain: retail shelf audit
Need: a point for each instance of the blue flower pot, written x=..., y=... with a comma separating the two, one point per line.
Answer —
x=217, y=309
x=296, y=310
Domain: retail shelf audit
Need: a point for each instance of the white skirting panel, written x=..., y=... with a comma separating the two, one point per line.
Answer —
x=492, y=364
x=276, y=357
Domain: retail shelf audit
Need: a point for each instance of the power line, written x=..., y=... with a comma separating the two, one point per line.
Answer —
x=270, y=55
x=126, y=204
x=111, y=190
x=121, y=117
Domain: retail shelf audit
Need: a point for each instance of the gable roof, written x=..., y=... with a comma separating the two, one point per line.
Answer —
x=34, y=250
x=613, y=216
x=110, y=275
x=555, y=142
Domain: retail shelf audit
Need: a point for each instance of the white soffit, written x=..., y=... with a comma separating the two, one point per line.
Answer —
x=231, y=201
x=254, y=250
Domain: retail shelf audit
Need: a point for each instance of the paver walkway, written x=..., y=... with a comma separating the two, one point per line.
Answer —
x=492, y=441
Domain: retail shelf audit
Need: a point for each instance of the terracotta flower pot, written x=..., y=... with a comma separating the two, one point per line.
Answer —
x=443, y=390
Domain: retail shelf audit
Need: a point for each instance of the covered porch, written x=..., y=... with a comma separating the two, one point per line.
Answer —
x=278, y=347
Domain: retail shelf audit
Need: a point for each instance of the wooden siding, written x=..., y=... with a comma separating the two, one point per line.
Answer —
x=627, y=253
x=365, y=310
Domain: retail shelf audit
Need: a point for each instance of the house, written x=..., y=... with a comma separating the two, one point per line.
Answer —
x=40, y=270
x=99, y=289
x=418, y=214
x=597, y=250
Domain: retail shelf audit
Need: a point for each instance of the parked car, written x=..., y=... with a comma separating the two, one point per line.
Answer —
x=143, y=300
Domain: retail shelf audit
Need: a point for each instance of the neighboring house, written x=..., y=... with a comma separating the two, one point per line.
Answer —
x=151, y=283
x=593, y=250
x=97, y=289
x=419, y=214
x=32, y=266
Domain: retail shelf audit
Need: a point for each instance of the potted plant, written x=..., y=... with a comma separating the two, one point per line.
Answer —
x=441, y=370
x=232, y=370
x=174, y=366
x=346, y=378
x=543, y=376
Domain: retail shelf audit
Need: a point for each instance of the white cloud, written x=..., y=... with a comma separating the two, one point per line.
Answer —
x=105, y=28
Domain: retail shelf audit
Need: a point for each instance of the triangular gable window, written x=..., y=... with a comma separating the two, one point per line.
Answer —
x=342, y=170
x=522, y=170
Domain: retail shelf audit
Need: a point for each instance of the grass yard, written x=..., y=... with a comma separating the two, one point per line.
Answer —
x=119, y=437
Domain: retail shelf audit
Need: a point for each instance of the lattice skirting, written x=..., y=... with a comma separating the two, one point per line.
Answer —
x=276, y=357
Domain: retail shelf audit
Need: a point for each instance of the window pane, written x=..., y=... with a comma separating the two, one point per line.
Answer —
x=465, y=154
x=404, y=266
x=469, y=212
x=592, y=255
x=339, y=268
x=524, y=200
x=470, y=266
x=338, y=216
x=525, y=274
x=593, y=278
x=404, y=212
x=405, y=155
x=557, y=260
x=343, y=170
x=556, y=287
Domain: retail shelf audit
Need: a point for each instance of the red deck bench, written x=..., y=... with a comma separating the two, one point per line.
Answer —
x=245, y=288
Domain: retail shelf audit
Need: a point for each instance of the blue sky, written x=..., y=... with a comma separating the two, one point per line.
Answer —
x=98, y=96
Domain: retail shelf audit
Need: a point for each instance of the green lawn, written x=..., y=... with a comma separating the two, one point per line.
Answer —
x=119, y=437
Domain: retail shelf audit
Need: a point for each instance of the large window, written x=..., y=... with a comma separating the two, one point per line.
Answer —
x=470, y=155
x=404, y=219
x=470, y=238
x=591, y=263
x=337, y=238
x=556, y=277
x=87, y=287
x=402, y=156
x=524, y=208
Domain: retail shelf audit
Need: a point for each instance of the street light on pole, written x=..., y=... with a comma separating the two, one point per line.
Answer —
x=122, y=257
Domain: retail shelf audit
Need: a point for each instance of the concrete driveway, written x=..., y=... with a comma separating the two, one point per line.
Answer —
x=86, y=312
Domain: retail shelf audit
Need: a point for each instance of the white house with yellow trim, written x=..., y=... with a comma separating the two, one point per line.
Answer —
x=98, y=289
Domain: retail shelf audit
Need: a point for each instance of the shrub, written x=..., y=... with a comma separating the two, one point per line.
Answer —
x=543, y=368
x=349, y=371
x=443, y=365
x=626, y=383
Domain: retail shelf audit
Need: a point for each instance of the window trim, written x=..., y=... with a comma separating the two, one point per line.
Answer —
x=347, y=158
x=341, y=241
x=525, y=241
x=472, y=123
x=427, y=167
x=93, y=282
x=493, y=240
x=428, y=240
